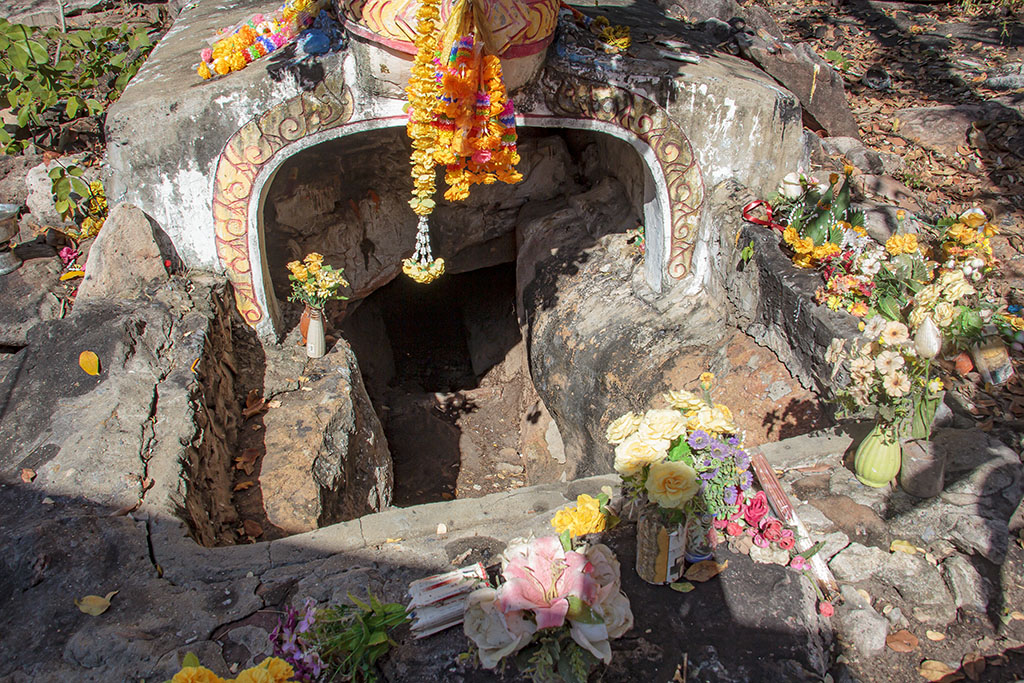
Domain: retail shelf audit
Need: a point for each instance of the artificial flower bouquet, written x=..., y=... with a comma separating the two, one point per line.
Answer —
x=314, y=283
x=555, y=612
x=818, y=219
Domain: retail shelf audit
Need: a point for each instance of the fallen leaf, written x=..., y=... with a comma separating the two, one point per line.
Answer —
x=247, y=460
x=682, y=586
x=243, y=485
x=935, y=671
x=71, y=275
x=1017, y=616
x=254, y=404
x=903, y=547
x=973, y=665
x=252, y=528
x=90, y=362
x=702, y=571
x=902, y=641
x=27, y=474
x=94, y=604
x=393, y=540
x=935, y=635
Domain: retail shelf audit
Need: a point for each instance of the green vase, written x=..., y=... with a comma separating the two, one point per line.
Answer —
x=877, y=459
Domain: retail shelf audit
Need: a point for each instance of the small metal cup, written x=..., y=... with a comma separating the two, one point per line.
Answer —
x=8, y=229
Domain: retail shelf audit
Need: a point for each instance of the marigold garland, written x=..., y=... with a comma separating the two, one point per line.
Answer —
x=460, y=117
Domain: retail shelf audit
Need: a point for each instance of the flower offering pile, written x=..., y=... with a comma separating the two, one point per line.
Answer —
x=555, y=612
x=460, y=117
x=270, y=670
x=258, y=36
x=314, y=283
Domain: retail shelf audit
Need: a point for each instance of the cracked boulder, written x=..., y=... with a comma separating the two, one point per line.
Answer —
x=326, y=457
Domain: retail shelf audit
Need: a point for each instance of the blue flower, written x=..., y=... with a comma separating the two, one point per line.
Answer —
x=708, y=476
x=729, y=495
x=699, y=440
x=746, y=480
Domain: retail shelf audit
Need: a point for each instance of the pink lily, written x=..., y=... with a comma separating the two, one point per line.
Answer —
x=542, y=577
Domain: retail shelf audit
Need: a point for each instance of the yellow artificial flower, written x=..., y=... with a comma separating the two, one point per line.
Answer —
x=281, y=670
x=672, y=484
x=196, y=674
x=683, y=400
x=944, y=314
x=255, y=675
x=706, y=378
x=935, y=386
x=623, y=427
x=583, y=518
x=661, y=424
x=633, y=454
x=204, y=71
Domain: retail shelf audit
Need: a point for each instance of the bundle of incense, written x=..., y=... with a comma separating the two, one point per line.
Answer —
x=784, y=509
x=438, y=602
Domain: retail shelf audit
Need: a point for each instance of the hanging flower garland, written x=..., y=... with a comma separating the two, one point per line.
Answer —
x=460, y=117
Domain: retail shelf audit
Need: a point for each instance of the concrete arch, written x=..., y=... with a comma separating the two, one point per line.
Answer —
x=672, y=196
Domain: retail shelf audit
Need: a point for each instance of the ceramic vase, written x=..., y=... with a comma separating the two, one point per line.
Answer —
x=877, y=459
x=922, y=468
x=659, y=548
x=316, y=345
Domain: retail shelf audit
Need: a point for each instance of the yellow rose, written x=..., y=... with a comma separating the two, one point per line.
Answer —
x=684, y=400
x=623, y=427
x=301, y=273
x=634, y=453
x=583, y=518
x=957, y=289
x=944, y=314
x=714, y=420
x=196, y=674
x=662, y=424
x=672, y=484
x=928, y=295
x=281, y=670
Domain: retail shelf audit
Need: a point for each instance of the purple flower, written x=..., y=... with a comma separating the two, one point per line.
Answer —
x=742, y=460
x=707, y=463
x=729, y=495
x=699, y=440
x=734, y=441
x=290, y=647
x=746, y=480
x=708, y=476
x=719, y=450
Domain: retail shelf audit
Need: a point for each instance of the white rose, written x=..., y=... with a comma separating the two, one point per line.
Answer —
x=944, y=314
x=593, y=638
x=623, y=427
x=632, y=454
x=495, y=635
x=606, y=572
x=662, y=424
x=684, y=400
x=790, y=186
x=617, y=615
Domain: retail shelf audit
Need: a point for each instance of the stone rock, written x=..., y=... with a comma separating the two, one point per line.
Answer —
x=859, y=522
x=41, y=13
x=124, y=260
x=867, y=160
x=944, y=127
x=750, y=18
x=813, y=80
x=14, y=176
x=888, y=189
x=834, y=543
x=29, y=296
x=769, y=555
x=857, y=562
x=987, y=537
x=38, y=191
x=970, y=589
x=813, y=519
x=326, y=456
x=881, y=222
x=920, y=585
x=859, y=624
x=806, y=450
x=982, y=474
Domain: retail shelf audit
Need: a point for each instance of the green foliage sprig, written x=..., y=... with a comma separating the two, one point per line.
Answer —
x=351, y=639
x=48, y=75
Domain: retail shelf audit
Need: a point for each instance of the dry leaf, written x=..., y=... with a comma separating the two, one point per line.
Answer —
x=935, y=635
x=247, y=460
x=902, y=641
x=27, y=474
x=1017, y=616
x=903, y=547
x=254, y=404
x=252, y=528
x=71, y=275
x=935, y=671
x=94, y=604
x=702, y=571
x=243, y=485
x=90, y=362
x=393, y=540
x=973, y=664
x=121, y=512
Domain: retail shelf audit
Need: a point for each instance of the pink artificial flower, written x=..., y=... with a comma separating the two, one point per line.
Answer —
x=760, y=541
x=826, y=609
x=68, y=255
x=800, y=563
x=482, y=156
x=720, y=523
x=755, y=508
x=786, y=543
x=770, y=528
x=541, y=578
x=207, y=55
x=733, y=529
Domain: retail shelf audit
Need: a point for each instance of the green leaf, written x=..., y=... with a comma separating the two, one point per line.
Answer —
x=62, y=206
x=682, y=586
x=55, y=172
x=580, y=611
x=76, y=171
x=190, y=659
x=680, y=451
x=377, y=638
x=18, y=56
x=64, y=65
x=76, y=40
x=38, y=51
x=80, y=187
x=23, y=116
x=71, y=108
x=94, y=106
x=62, y=187
x=566, y=540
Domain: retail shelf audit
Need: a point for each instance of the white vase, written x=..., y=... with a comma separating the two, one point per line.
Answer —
x=316, y=345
